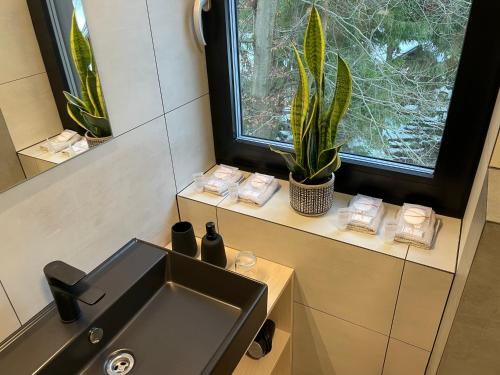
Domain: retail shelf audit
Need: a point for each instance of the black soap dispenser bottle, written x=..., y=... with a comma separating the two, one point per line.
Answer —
x=212, y=247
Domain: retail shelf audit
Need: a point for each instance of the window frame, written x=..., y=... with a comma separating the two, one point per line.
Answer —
x=54, y=66
x=447, y=189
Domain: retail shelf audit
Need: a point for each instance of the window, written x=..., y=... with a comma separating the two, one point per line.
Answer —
x=425, y=74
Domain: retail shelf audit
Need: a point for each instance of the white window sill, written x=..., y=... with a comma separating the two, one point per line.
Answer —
x=277, y=210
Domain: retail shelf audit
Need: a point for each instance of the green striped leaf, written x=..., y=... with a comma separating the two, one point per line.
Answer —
x=312, y=138
x=342, y=99
x=296, y=169
x=298, y=111
x=100, y=95
x=75, y=100
x=75, y=112
x=98, y=126
x=92, y=90
x=330, y=167
x=314, y=47
x=82, y=56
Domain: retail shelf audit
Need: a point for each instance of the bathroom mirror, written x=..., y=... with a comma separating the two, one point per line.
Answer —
x=51, y=103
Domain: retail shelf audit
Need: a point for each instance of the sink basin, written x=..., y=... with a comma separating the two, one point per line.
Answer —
x=163, y=313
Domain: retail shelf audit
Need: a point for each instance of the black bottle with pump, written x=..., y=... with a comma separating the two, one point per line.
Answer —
x=212, y=247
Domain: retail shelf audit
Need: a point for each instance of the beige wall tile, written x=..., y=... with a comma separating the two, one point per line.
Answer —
x=11, y=171
x=19, y=51
x=472, y=225
x=495, y=158
x=473, y=345
x=181, y=63
x=278, y=210
x=469, y=247
x=325, y=345
x=493, y=205
x=84, y=210
x=421, y=302
x=121, y=40
x=33, y=166
x=29, y=110
x=8, y=319
x=190, y=132
x=346, y=281
x=404, y=359
x=196, y=213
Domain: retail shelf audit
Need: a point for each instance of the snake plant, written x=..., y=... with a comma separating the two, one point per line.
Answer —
x=89, y=110
x=314, y=125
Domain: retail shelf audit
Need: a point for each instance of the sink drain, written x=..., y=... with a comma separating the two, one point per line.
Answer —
x=120, y=362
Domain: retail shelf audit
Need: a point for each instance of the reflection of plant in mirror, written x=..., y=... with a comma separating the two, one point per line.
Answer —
x=88, y=111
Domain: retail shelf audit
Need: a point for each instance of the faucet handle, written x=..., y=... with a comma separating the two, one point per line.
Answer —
x=70, y=279
x=60, y=273
x=67, y=284
x=89, y=295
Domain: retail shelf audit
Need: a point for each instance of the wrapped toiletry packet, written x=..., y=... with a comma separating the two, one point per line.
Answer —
x=219, y=180
x=61, y=142
x=258, y=189
x=365, y=214
x=417, y=225
x=76, y=148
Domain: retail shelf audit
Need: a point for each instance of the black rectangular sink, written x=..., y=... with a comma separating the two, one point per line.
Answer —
x=163, y=313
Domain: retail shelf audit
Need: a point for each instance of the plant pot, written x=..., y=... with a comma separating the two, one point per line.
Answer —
x=311, y=200
x=93, y=141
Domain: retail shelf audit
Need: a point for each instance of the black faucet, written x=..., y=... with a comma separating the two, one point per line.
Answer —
x=67, y=285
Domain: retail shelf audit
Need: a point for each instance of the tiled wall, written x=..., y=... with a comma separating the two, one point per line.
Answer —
x=85, y=209
x=25, y=96
x=473, y=329
x=362, y=306
x=473, y=223
x=474, y=341
x=494, y=183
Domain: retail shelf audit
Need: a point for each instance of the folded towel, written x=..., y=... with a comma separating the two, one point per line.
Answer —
x=219, y=180
x=417, y=225
x=365, y=214
x=60, y=142
x=258, y=189
x=76, y=148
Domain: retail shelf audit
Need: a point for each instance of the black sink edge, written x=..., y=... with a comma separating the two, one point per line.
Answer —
x=79, y=351
x=79, y=328
x=47, y=309
x=239, y=339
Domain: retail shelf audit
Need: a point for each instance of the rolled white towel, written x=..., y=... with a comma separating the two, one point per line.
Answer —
x=365, y=214
x=417, y=225
x=76, y=148
x=218, y=181
x=61, y=141
x=258, y=189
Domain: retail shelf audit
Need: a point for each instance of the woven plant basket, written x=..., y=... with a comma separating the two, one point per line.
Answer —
x=93, y=141
x=311, y=200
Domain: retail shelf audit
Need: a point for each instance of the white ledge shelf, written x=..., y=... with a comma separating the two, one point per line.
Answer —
x=442, y=256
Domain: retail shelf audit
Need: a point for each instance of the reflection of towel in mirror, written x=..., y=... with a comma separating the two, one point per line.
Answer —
x=365, y=214
x=61, y=141
x=76, y=148
x=219, y=180
x=258, y=189
x=417, y=225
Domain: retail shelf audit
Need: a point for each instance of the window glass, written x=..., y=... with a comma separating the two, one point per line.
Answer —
x=403, y=54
